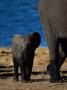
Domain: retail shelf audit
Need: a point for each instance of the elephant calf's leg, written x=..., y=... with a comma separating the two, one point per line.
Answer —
x=15, y=72
x=23, y=73
x=29, y=72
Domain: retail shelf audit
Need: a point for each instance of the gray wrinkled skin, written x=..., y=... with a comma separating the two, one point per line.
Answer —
x=19, y=45
x=53, y=14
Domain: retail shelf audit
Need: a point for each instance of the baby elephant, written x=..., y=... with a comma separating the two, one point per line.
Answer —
x=23, y=49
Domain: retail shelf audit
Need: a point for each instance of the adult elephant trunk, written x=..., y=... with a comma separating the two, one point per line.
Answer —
x=53, y=14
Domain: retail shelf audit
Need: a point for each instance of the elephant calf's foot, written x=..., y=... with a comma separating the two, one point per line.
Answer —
x=29, y=81
x=26, y=81
x=23, y=81
x=15, y=79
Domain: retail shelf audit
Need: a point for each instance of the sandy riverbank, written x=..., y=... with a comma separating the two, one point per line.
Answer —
x=41, y=56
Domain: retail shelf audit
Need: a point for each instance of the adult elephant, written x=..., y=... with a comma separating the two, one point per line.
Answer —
x=53, y=15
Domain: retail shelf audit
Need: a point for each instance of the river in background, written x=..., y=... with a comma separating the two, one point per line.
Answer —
x=19, y=17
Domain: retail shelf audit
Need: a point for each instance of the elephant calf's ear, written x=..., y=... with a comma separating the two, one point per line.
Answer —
x=36, y=38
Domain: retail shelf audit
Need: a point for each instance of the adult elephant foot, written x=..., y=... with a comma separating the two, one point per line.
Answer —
x=54, y=74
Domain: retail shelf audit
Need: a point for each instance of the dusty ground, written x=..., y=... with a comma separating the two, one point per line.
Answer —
x=39, y=77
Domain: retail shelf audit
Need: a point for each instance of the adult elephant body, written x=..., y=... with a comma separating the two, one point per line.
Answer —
x=53, y=15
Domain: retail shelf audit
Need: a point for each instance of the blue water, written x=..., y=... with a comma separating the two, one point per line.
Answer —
x=19, y=16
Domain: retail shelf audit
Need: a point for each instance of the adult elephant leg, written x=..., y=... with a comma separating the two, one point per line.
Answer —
x=54, y=57
x=62, y=58
x=63, y=51
x=53, y=44
x=57, y=58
